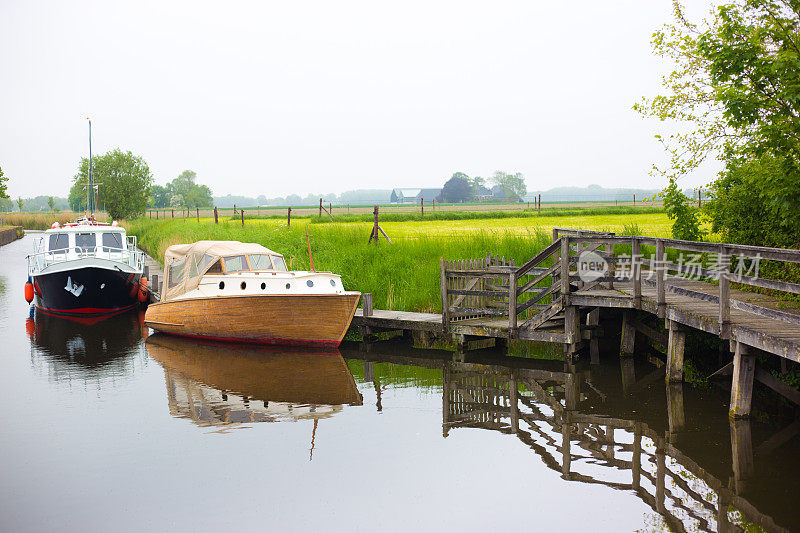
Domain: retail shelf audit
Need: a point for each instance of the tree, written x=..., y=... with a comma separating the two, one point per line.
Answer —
x=512, y=184
x=124, y=184
x=159, y=196
x=457, y=189
x=51, y=203
x=477, y=182
x=20, y=202
x=735, y=95
x=3, y=185
x=685, y=223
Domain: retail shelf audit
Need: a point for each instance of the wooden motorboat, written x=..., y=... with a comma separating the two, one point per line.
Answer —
x=242, y=292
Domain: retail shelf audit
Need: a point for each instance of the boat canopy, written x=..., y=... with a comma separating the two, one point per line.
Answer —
x=185, y=264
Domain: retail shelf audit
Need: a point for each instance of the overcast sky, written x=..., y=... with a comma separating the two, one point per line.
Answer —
x=306, y=97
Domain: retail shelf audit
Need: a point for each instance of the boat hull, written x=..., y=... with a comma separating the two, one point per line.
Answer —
x=86, y=291
x=301, y=320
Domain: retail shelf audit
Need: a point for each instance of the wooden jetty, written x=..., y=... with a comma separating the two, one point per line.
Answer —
x=557, y=296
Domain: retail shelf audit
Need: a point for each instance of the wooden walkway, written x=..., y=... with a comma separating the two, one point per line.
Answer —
x=557, y=296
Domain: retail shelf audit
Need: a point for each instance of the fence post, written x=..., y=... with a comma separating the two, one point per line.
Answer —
x=512, y=304
x=216, y=215
x=564, y=269
x=366, y=304
x=611, y=264
x=723, y=262
x=198, y=213
x=634, y=199
x=242, y=212
x=445, y=306
x=320, y=207
x=288, y=216
x=422, y=206
x=660, y=279
x=540, y=204
x=156, y=214
x=173, y=213
x=636, y=272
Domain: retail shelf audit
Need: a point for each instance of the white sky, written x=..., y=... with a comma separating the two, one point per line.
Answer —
x=306, y=97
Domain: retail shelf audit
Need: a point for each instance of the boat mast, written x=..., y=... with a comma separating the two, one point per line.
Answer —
x=91, y=181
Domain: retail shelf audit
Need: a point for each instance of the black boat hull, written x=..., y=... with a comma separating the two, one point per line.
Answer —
x=86, y=291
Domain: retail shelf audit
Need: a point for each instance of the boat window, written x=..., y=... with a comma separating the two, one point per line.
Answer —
x=260, y=262
x=235, y=263
x=216, y=268
x=58, y=241
x=112, y=241
x=176, y=273
x=86, y=242
x=279, y=263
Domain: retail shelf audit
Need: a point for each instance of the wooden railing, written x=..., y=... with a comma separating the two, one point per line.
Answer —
x=537, y=292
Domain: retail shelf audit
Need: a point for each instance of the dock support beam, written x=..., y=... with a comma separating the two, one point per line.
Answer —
x=627, y=342
x=675, y=348
x=741, y=454
x=744, y=370
x=593, y=321
x=675, y=410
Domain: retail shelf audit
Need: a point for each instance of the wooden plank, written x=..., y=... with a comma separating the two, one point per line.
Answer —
x=538, y=258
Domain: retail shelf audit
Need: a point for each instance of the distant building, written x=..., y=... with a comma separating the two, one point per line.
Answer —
x=410, y=196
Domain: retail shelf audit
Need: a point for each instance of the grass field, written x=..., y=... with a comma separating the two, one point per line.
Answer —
x=404, y=275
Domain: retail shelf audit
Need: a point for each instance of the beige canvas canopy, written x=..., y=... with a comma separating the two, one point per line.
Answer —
x=185, y=264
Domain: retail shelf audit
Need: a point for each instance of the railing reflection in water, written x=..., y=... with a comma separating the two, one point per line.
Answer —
x=545, y=409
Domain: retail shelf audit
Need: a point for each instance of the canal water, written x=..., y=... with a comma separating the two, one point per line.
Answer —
x=106, y=427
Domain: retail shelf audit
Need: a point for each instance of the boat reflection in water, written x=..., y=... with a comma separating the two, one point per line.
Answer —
x=224, y=385
x=95, y=349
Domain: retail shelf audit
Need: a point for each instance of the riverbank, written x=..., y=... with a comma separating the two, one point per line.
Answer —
x=10, y=234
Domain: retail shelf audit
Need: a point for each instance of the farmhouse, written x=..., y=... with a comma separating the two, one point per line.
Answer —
x=409, y=196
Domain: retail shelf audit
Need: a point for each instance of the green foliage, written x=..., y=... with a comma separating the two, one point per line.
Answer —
x=457, y=189
x=124, y=180
x=183, y=191
x=3, y=185
x=20, y=203
x=512, y=184
x=737, y=86
x=685, y=223
x=744, y=209
x=51, y=203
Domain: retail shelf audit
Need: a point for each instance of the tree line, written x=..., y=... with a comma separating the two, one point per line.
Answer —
x=462, y=188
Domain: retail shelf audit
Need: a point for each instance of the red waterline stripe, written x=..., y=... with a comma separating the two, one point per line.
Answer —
x=86, y=310
x=326, y=344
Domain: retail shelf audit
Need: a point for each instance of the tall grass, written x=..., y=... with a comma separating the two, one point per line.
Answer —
x=42, y=221
x=401, y=276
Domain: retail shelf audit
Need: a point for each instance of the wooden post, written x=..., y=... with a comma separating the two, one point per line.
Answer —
x=628, y=338
x=741, y=454
x=146, y=272
x=242, y=213
x=571, y=329
x=636, y=470
x=699, y=198
x=661, y=471
x=513, y=401
x=156, y=214
x=593, y=320
x=173, y=213
x=234, y=209
x=330, y=209
x=660, y=279
x=320, y=207
x=634, y=199
x=512, y=305
x=198, y=214
x=422, y=206
x=676, y=415
x=540, y=204
x=366, y=304
x=611, y=264
x=566, y=438
x=564, y=269
x=724, y=294
x=627, y=367
x=216, y=215
x=445, y=306
x=676, y=344
x=288, y=216
x=636, y=272
x=433, y=204
x=744, y=370
x=155, y=285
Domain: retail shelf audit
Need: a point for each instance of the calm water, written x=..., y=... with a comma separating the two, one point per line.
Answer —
x=105, y=428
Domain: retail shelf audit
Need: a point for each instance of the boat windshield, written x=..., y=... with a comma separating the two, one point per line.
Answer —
x=266, y=262
x=235, y=263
